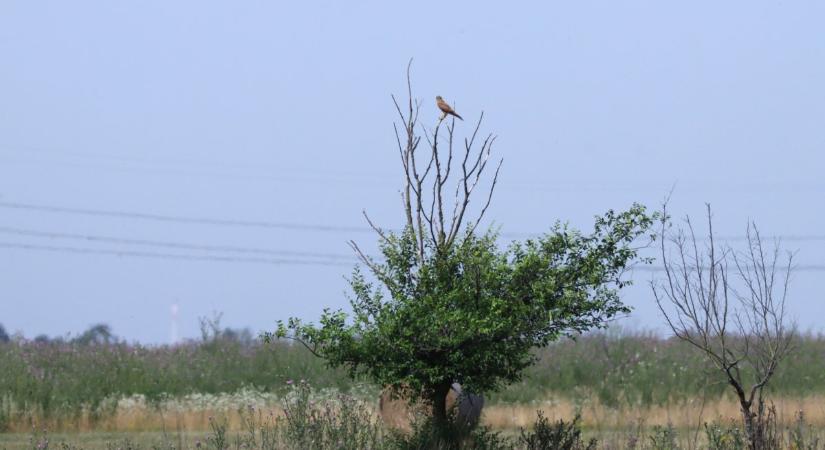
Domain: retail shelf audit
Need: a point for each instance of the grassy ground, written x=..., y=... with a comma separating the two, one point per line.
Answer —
x=623, y=385
x=615, y=368
x=102, y=440
x=194, y=413
x=185, y=422
x=631, y=435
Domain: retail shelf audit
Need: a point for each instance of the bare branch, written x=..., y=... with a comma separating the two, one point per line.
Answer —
x=701, y=305
x=378, y=230
x=428, y=177
x=489, y=197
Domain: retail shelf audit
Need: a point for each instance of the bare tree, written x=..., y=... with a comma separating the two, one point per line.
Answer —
x=729, y=304
x=429, y=178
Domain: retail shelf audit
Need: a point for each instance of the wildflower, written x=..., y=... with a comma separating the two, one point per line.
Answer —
x=288, y=381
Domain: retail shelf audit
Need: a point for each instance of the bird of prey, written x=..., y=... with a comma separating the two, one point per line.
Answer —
x=445, y=108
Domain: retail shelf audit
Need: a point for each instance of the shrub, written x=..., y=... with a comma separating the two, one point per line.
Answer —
x=427, y=435
x=343, y=423
x=663, y=438
x=724, y=437
x=556, y=436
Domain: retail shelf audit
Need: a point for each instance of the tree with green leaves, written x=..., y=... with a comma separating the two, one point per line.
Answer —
x=443, y=303
x=4, y=337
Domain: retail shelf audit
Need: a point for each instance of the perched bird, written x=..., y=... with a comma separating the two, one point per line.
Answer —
x=445, y=108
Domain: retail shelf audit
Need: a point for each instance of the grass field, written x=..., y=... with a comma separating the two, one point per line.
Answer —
x=181, y=424
x=625, y=386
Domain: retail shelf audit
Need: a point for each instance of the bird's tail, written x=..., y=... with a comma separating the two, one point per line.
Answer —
x=457, y=116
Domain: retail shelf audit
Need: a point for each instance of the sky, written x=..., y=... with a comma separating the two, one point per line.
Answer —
x=254, y=115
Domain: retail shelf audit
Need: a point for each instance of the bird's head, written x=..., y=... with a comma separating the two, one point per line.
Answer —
x=438, y=98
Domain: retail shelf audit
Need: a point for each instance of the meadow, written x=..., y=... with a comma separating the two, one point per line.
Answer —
x=623, y=385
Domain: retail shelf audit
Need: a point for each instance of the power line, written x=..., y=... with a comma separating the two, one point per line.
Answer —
x=272, y=261
x=170, y=244
x=171, y=256
x=295, y=225
x=207, y=221
x=162, y=166
x=796, y=268
x=185, y=219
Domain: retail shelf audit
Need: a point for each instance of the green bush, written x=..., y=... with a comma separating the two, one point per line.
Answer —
x=724, y=437
x=663, y=438
x=344, y=423
x=555, y=436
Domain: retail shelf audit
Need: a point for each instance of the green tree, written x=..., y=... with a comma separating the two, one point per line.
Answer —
x=98, y=334
x=444, y=304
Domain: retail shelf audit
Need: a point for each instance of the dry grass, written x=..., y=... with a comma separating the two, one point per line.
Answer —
x=138, y=419
x=594, y=416
x=682, y=415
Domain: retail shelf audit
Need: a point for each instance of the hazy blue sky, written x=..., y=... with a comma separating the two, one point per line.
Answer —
x=281, y=112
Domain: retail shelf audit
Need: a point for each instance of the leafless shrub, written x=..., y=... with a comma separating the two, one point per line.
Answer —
x=729, y=304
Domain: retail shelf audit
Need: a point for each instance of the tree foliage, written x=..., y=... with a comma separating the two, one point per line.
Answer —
x=98, y=334
x=472, y=312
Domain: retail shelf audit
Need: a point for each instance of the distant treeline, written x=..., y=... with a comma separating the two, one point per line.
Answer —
x=63, y=376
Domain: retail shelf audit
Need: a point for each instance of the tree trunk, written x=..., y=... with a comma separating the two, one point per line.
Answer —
x=750, y=427
x=748, y=417
x=755, y=424
x=439, y=405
